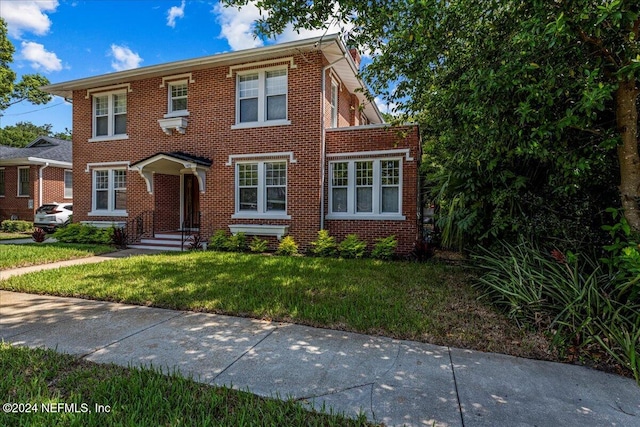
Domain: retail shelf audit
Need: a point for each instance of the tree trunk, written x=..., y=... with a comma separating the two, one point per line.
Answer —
x=627, y=120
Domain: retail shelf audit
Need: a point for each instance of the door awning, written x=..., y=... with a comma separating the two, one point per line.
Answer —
x=174, y=163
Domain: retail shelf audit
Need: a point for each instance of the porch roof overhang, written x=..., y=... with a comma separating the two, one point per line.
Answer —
x=175, y=163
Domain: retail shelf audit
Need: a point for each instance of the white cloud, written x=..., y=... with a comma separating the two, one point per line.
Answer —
x=40, y=58
x=237, y=25
x=124, y=58
x=385, y=107
x=27, y=16
x=174, y=13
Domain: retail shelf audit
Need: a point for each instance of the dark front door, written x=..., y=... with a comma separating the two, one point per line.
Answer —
x=191, y=203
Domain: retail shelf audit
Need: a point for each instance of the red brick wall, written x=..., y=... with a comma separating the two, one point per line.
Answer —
x=167, y=190
x=211, y=104
x=53, y=191
x=379, y=138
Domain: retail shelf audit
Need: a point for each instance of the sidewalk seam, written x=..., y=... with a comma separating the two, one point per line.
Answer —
x=455, y=384
x=132, y=334
x=213, y=380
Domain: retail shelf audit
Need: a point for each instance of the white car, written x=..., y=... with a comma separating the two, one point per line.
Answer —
x=53, y=215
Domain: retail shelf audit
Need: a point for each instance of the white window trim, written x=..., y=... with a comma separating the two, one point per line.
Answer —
x=262, y=212
x=377, y=213
x=64, y=184
x=110, y=202
x=334, y=108
x=170, y=112
x=4, y=179
x=110, y=114
x=262, y=88
x=18, y=169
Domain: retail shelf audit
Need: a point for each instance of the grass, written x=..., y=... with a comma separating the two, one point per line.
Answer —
x=11, y=236
x=134, y=397
x=423, y=302
x=14, y=256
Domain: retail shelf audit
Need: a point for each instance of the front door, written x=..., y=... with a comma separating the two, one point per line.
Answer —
x=191, y=202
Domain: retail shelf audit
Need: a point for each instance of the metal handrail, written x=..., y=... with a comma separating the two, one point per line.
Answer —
x=141, y=226
x=194, y=229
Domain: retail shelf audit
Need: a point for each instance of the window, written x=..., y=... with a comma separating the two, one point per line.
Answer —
x=334, y=104
x=1, y=182
x=366, y=188
x=68, y=184
x=110, y=115
x=24, y=187
x=109, y=191
x=178, y=97
x=261, y=189
x=262, y=97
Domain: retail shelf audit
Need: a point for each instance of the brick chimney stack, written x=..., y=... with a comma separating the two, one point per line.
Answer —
x=356, y=56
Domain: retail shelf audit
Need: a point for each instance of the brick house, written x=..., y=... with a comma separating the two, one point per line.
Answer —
x=34, y=175
x=268, y=141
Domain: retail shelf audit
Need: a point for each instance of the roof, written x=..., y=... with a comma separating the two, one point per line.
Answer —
x=40, y=151
x=331, y=45
x=178, y=155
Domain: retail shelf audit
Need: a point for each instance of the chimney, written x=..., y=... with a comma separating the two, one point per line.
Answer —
x=356, y=57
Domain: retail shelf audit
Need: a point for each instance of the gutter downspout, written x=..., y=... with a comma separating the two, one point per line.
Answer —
x=323, y=144
x=40, y=185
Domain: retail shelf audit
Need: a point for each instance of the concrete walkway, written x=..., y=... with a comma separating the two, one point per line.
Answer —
x=392, y=381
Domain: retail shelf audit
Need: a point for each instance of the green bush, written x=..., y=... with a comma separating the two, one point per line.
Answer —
x=82, y=233
x=237, y=243
x=287, y=246
x=385, y=248
x=16, y=226
x=218, y=242
x=258, y=245
x=325, y=245
x=352, y=247
x=577, y=299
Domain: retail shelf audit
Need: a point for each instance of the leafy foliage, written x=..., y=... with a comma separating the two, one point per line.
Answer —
x=258, y=245
x=39, y=235
x=15, y=226
x=325, y=245
x=287, y=246
x=385, y=248
x=22, y=133
x=218, y=241
x=237, y=243
x=81, y=233
x=352, y=247
x=119, y=237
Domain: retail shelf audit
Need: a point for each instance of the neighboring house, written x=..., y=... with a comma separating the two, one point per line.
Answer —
x=271, y=141
x=34, y=175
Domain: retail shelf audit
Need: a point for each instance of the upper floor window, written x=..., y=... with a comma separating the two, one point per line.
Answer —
x=178, y=93
x=366, y=188
x=261, y=97
x=110, y=115
x=334, y=104
x=24, y=182
x=68, y=184
x=1, y=182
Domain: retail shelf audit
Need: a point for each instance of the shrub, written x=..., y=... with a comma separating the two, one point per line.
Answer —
x=195, y=242
x=258, y=245
x=237, y=243
x=16, y=226
x=119, y=237
x=352, y=247
x=38, y=235
x=287, y=246
x=325, y=245
x=82, y=233
x=218, y=242
x=385, y=248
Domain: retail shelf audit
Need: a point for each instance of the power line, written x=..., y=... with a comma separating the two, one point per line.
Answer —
x=33, y=111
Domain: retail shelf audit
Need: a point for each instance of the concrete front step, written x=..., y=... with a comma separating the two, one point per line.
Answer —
x=156, y=247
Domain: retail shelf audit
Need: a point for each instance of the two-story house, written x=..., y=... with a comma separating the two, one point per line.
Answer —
x=272, y=141
x=34, y=175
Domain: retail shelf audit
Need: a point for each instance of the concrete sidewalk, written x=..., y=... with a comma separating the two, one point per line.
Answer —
x=391, y=381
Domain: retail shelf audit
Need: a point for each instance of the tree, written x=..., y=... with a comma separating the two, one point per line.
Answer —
x=27, y=89
x=529, y=108
x=22, y=133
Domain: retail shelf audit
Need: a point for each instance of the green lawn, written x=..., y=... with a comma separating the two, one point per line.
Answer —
x=427, y=302
x=13, y=256
x=133, y=397
x=11, y=236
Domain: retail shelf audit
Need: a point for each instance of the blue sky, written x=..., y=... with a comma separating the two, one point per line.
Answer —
x=71, y=39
